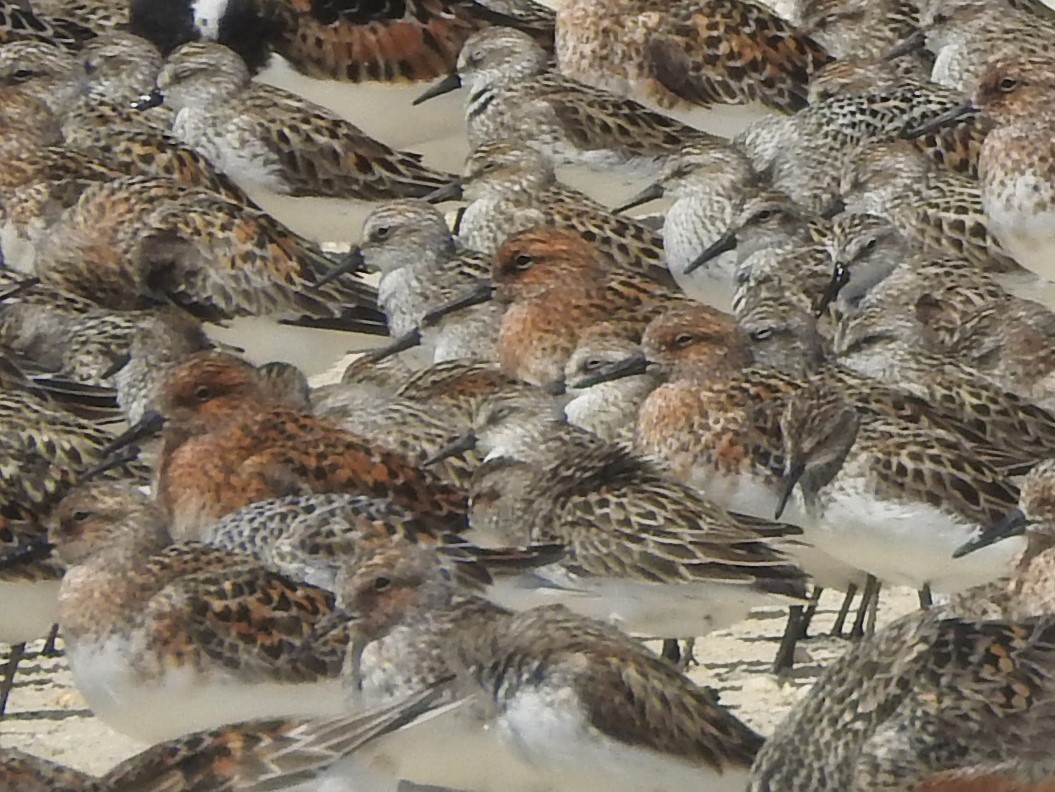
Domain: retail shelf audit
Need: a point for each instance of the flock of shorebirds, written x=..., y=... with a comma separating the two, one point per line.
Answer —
x=587, y=428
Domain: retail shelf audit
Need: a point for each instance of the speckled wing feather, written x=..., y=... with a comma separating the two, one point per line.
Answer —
x=618, y=516
x=260, y=755
x=935, y=468
x=18, y=22
x=321, y=153
x=732, y=51
x=209, y=254
x=27, y=773
x=949, y=212
x=248, y=618
x=626, y=692
x=385, y=40
x=956, y=147
x=595, y=119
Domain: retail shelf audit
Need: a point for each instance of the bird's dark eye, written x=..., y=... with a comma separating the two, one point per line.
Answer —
x=871, y=244
x=22, y=75
x=81, y=516
x=381, y=583
x=941, y=19
x=381, y=233
x=475, y=59
x=523, y=261
x=766, y=215
x=203, y=393
x=1007, y=84
x=682, y=340
x=763, y=334
x=593, y=364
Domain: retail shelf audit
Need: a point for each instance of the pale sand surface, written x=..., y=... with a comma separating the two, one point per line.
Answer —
x=48, y=717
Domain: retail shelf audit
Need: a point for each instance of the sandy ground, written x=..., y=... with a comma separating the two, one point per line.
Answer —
x=48, y=717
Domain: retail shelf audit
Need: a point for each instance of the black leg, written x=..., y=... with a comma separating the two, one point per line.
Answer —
x=925, y=598
x=10, y=667
x=671, y=650
x=785, y=658
x=810, y=612
x=844, y=611
x=871, y=590
x=49, y=649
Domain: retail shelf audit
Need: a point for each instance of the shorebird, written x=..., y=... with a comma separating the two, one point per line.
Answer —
x=261, y=135
x=515, y=95
x=719, y=51
x=157, y=636
x=931, y=702
x=595, y=692
x=1015, y=196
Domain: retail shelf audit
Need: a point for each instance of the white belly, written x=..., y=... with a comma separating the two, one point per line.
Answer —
x=184, y=701
x=911, y=545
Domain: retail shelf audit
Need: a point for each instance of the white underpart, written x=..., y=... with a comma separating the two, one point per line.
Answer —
x=207, y=16
x=185, y=700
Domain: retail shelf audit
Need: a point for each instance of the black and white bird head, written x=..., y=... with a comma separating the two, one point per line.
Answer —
x=242, y=25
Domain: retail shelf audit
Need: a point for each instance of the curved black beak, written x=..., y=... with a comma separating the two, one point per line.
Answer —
x=840, y=277
x=723, y=244
x=146, y=101
x=448, y=192
x=948, y=118
x=403, y=343
x=627, y=367
x=912, y=43
x=481, y=294
x=108, y=463
x=651, y=193
x=1014, y=523
x=149, y=425
x=351, y=262
x=467, y=442
x=452, y=82
x=119, y=363
x=790, y=480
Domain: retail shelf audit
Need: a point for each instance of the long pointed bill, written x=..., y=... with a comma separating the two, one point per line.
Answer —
x=351, y=262
x=467, y=442
x=448, y=192
x=912, y=43
x=402, y=344
x=478, y=296
x=452, y=82
x=840, y=277
x=723, y=244
x=651, y=193
x=152, y=99
x=126, y=455
x=790, y=481
x=627, y=367
x=948, y=118
x=1013, y=524
x=119, y=363
x=149, y=425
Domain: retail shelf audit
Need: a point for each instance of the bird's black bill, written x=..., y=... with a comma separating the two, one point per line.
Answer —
x=351, y=262
x=907, y=45
x=948, y=118
x=448, y=192
x=119, y=363
x=467, y=442
x=627, y=367
x=402, y=344
x=149, y=425
x=481, y=294
x=452, y=82
x=723, y=244
x=1013, y=524
x=791, y=480
x=840, y=277
x=651, y=193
